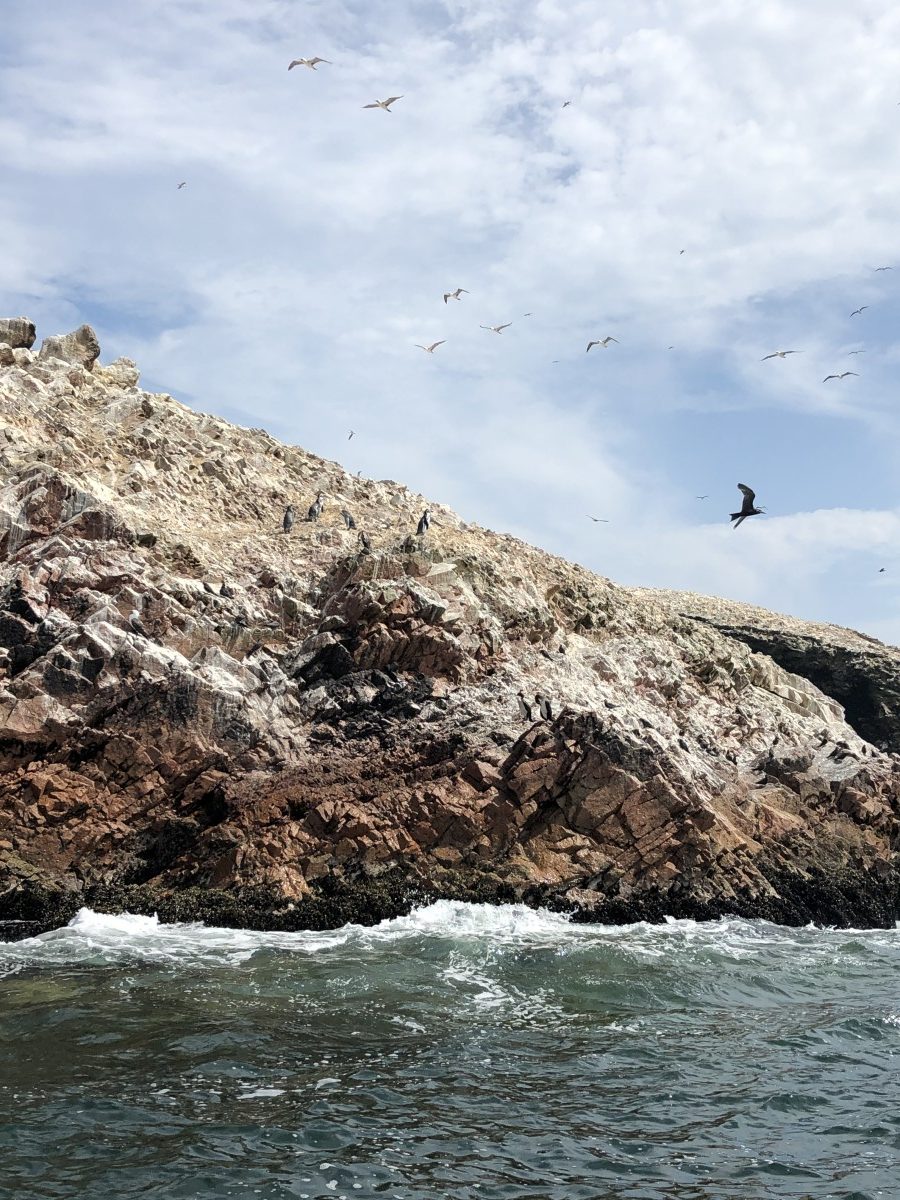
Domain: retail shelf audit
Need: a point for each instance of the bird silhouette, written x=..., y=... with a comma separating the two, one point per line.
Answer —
x=455, y=295
x=884, y=268
x=598, y=520
x=849, y=352
x=385, y=104
x=748, y=508
x=181, y=185
x=349, y=435
x=430, y=349
x=604, y=342
x=702, y=497
x=496, y=328
x=307, y=62
x=857, y=311
x=780, y=354
x=843, y=375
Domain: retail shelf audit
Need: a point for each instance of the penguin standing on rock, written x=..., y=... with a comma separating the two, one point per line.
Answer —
x=348, y=519
x=544, y=707
x=365, y=543
x=524, y=707
x=287, y=522
x=424, y=523
x=315, y=509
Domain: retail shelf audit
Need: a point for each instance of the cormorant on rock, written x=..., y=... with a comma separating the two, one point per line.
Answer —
x=748, y=508
x=348, y=519
x=544, y=707
x=364, y=542
x=287, y=523
x=315, y=509
x=424, y=523
x=524, y=708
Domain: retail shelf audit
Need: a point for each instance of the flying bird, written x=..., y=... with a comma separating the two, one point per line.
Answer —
x=604, y=342
x=455, y=295
x=598, y=520
x=748, y=508
x=566, y=103
x=349, y=435
x=181, y=185
x=385, y=104
x=857, y=311
x=307, y=62
x=843, y=375
x=881, y=570
x=780, y=354
x=884, y=268
x=849, y=352
x=430, y=349
x=702, y=497
x=496, y=328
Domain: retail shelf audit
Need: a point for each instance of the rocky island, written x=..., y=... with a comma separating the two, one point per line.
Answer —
x=205, y=716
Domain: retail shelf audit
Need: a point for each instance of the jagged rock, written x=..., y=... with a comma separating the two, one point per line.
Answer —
x=328, y=720
x=79, y=347
x=17, y=332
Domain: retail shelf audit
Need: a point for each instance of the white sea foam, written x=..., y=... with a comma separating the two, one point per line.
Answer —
x=104, y=939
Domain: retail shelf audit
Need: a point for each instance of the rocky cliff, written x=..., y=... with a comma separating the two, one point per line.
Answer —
x=205, y=715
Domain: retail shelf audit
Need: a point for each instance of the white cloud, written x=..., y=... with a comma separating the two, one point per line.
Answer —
x=289, y=280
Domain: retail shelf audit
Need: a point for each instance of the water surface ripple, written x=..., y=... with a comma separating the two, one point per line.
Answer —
x=463, y=1052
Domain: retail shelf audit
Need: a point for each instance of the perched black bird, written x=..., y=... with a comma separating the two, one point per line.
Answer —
x=748, y=508
x=287, y=522
x=348, y=519
x=424, y=523
x=315, y=509
x=524, y=707
x=544, y=707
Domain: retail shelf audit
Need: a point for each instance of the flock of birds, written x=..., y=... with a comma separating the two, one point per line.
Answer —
x=748, y=507
x=317, y=507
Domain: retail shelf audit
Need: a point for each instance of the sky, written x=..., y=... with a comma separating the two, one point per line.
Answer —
x=722, y=185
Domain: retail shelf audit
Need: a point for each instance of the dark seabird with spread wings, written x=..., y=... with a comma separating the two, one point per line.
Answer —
x=748, y=508
x=843, y=375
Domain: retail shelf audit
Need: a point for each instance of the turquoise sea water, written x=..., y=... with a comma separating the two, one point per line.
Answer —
x=461, y=1052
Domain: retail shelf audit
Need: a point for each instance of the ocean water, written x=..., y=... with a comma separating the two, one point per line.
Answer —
x=461, y=1052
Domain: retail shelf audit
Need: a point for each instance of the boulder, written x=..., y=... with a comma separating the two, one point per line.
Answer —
x=17, y=332
x=81, y=346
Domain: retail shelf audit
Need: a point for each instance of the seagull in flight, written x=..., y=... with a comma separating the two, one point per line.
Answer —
x=780, y=354
x=307, y=62
x=566, y=103
x=857, y=311
x=748, y=508
x=350, y=435
x=598, y=520
x=883, y=268
x=385, y=104
x=843, y=375
x=604, y=342
x=702, y=497
x=849, y=352
x=181, y=185
x=496, y=328
x=455, y=295
x=430, y=349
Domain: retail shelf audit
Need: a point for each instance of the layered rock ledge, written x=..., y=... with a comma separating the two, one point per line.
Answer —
x=203, y=716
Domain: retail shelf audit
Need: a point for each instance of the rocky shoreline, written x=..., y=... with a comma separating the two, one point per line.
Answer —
x=205, y=717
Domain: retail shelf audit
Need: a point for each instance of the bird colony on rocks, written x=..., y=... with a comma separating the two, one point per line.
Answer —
x=210, y=708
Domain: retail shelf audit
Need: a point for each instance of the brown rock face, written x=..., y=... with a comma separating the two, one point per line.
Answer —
x=202, y=714
x=79, y=348
x=17, y=332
